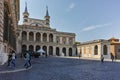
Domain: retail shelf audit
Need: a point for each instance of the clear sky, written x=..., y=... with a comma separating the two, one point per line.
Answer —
x=88, y=19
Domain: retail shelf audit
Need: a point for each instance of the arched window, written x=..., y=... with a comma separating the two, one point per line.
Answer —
x=31, y=36
x=31, y=48
x=24, y=35
x=51, y=38
x=64, y=40
x=96, y=50
x=38, y=36
x=44, y=37
x=105, y=50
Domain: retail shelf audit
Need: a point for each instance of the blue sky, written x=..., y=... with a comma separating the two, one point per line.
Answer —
x=88, y=19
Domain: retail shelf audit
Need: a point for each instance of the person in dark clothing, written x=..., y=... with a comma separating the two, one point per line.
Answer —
x=27, y=58
x=112, y=57
x=102, y=58
x=9, y=59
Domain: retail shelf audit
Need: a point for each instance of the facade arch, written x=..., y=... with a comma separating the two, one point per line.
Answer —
x=50, y=50
x=24, y=48
x=24, y=35
x=105, y=50
x=31, y=48
x=57, y=51
x=96, y=50
x=51, y=38
x=45, y=49
x=44, y=37
x=64, y=51
x=37, y=47
x=31, y=36
x=70, y=51
x=38, y=37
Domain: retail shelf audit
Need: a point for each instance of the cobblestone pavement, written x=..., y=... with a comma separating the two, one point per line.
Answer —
x=55, y=68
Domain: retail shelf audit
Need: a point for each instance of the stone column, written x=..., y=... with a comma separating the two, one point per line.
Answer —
x=67, y=52
x=67, y=40
x=61, y=51
x=34, y=36
x=48, y=37
x=34, y=47
x=41, y=37
x=27, y=36
x=60, y=40
x=54, y=50
x=27, y=47
x=54, y=38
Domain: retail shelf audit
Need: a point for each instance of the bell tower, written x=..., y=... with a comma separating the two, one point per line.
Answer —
x=25, y=14
x=47, y=17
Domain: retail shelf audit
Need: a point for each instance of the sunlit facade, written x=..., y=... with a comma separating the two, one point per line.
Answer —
x=94, y=49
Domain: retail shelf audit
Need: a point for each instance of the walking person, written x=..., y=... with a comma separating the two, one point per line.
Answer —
x=9, y=58
x=13, y=58
x=27, y=60
x=102, y=58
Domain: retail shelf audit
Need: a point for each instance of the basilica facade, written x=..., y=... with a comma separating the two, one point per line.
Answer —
x=35, y=34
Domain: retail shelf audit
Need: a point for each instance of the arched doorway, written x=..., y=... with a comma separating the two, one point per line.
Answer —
x=31, y=48
x=64, y=51
x=70, y=51
x=24, y=48
x=45, y=49
x=57, y=51
x=50, y=50
x=105, y=50
x=44, y=37
x=24, y=35
x=37, y=47
x=31, y=36
x=96, y=50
